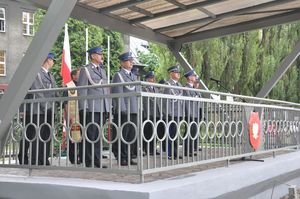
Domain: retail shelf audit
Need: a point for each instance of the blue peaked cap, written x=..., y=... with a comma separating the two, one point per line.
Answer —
x=173, y=69
x=51, y=56
x=150, y=74
x=190, y=73
x=125, y=56
x=95, y=50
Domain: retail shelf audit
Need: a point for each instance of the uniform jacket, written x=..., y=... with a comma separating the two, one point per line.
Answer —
x=120, y=77
x=175, y=106
x=96, y=75
x=192, y=108
x=42, y=81
x=150, y=101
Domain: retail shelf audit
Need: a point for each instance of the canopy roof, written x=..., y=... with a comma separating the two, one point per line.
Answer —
x=183, y=21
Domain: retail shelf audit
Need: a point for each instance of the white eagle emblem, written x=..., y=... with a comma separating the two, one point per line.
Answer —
x=255, y=130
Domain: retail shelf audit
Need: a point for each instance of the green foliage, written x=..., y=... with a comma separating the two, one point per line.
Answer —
x=166, y=59
x=243, y=62
x=96, y=37
x=116, y=48
x=151, y=60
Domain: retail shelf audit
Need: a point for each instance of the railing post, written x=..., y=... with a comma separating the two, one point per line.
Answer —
x=140, y=131
x=293, y=192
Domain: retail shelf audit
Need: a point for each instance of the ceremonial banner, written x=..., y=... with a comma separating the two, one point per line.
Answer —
x=73, y=113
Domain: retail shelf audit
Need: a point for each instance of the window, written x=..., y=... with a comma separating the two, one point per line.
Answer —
x=2, y=63
x=2, y=19
x=28, y=23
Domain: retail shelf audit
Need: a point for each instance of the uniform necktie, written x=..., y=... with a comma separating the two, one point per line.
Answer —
x=49, y=76
x=99, y=70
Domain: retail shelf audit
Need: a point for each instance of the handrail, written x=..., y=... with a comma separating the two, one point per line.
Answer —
x=141, y=83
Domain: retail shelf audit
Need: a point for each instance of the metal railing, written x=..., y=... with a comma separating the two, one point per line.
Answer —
x=158, y=131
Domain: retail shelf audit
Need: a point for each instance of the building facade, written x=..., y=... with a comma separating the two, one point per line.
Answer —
x=16, y=33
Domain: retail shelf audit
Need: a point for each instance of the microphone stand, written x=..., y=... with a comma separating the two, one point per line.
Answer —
x=220, y=84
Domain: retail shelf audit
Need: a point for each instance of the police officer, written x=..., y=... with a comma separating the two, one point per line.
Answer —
x=93, y=110
x=127, y=106
x=197, y=83
x=173, y=109
x=151, y=111
x=39, y=114
x=192, y=113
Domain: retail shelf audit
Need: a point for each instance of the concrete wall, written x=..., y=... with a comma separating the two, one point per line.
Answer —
x=12, y=40
x=249, y=179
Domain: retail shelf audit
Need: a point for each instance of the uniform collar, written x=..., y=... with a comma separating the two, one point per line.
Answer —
x=191, y=85
x=126, y=71
x=94, y=65
x=174, y=81
x=44, y=69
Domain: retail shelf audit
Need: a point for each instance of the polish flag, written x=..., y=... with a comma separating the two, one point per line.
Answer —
x=65, y=70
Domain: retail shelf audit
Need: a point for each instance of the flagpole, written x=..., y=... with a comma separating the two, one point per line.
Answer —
x=108, y=59
x=108, y=81
x=86, y=45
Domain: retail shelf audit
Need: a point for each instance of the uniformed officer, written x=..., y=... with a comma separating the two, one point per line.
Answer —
x=40, y=115
x=173, y=109
x=127, y=107
x=93, y=110
x=192, y=113
x=151, y=111
x=197, y=83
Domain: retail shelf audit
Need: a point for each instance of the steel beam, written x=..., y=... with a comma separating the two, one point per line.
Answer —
x=42, y=42
x=140, y=10
x=86, y=14
x=176, y=11
x=119, y=6
x=93, y=16
x=183, y=62
x=242, y=27
x=176, y=3
x=285, y=65
x=222, y=16
x=208, y=13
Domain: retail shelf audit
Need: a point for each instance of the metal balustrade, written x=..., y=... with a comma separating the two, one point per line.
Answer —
x=167, y=131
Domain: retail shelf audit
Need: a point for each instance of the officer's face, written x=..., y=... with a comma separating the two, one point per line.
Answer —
x=76, y=76
x=127, y=64
x=151, y=79
x=175, y=75
x=98, y=58
x=50, y=63
x=192, y=78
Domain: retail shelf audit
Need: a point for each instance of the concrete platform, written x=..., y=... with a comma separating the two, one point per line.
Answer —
x=244, y=180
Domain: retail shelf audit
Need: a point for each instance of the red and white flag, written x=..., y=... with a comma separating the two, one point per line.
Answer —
x=65, y=70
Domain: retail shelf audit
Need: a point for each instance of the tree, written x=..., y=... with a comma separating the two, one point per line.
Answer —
x=243, y=62
x=97, y=37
